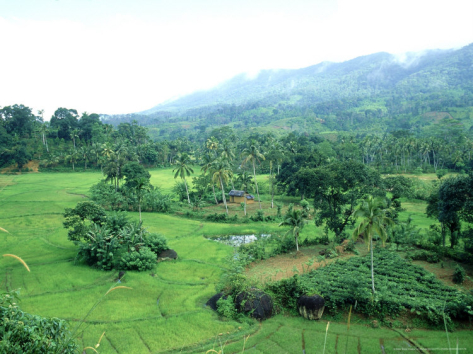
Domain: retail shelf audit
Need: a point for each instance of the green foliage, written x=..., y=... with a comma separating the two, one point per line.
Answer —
x=286, y=292
x=399, y=186
x=144, y=259
x=259, y=216
x=459, y=274
x=234, y=280
x=423, y=255
x=400, y=286
x=156, y=243
x=23, y=333
x=100, y=249
x=79, y=218
x=223, y=218
x=226, y=307
x=152, y=199
x=337, y=189
x=116, y=243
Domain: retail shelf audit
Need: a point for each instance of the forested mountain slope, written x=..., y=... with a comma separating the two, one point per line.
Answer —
x=374, y=74
x=370, y=94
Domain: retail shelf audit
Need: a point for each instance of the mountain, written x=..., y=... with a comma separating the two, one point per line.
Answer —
x=374, y=75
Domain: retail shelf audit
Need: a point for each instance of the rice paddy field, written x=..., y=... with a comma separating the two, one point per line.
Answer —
x=164, y=309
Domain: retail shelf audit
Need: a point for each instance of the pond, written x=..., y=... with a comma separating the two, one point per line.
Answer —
x=238, y=240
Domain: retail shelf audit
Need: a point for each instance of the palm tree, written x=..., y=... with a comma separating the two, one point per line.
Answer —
x=295, y=219
x=253, y=155
x=73, y=157
x=222, y=173
x=84, y=152
x=182, y=161
x=141, y=185
x=373, y=210
x=207, y=166
x=74, y=134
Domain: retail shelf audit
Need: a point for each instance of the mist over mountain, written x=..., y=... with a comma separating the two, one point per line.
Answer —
x=366, y=76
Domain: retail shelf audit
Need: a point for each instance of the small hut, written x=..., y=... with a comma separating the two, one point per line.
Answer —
x=240, y=196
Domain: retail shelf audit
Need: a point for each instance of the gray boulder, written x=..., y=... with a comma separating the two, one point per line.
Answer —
x=256, y=303
x=311, y=307
x=168, y=254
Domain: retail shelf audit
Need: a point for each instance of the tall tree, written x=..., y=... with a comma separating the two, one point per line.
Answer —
x=373, y=211
x=222, y=173
x=252, y=154
x=294, y=218
x=141, y=186
x=183, y=169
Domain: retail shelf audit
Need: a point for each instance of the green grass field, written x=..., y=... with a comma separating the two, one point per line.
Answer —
x=134, y=321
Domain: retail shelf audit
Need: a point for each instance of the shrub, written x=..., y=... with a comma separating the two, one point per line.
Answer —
x=21, y=332
x=459, y=275
x=100, y=248
x=144, y=259
x=259, y=216
x=423, y=255
x=347, y=282
x=156, y=243
x=226, y=307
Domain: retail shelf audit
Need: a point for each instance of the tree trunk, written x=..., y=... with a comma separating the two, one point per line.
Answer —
x=372, y=266
x=187, y=191
x=256, y=184
x=215, y=195
x=223, y=195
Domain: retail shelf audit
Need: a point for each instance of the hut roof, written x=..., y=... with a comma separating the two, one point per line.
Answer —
x=235, y=193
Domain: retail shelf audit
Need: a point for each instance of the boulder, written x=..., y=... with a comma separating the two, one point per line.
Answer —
x=311, y=307
x=213, y=301
x=168, y=254
x=256, y=303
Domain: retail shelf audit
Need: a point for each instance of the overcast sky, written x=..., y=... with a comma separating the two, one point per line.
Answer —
x=123, y=56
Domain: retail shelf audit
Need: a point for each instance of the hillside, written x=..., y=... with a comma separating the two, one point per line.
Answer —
x=373, y=74
x=372, y=93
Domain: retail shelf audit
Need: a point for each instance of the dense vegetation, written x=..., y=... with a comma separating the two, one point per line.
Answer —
x=311, y=187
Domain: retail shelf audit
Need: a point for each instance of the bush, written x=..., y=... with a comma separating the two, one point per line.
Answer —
x=22, y=332
x=144, y=259
x=286, y=292
x=259, y=216
x=459, y=275
x=347, y=282
x=226, y=307
x=156, y=243
x=423, y=255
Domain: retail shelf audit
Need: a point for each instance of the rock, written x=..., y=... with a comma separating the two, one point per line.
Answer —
x=322, y=252
x=256, y=303
x=168, y=254
x=213, y=301
x=311, y=307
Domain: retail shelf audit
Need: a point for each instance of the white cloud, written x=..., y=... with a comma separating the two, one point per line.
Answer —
x=114, y=62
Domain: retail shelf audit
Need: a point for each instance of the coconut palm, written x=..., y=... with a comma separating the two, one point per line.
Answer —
x=141, y=185
x=207, y=166
x=72, y=157
x=296, y=221
x=373, y=211
x=253, y=155
x=183, y=169
x=222, y=173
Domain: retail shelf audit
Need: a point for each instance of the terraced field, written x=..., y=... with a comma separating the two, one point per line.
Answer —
x=164, y=310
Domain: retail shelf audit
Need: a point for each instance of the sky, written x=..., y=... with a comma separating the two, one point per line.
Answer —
x=125, y=56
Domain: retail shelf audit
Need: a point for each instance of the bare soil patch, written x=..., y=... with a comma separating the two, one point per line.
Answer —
x=445, y=273
x=32, y=165
x=286, y=265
